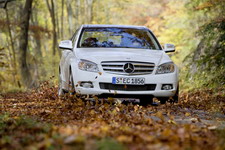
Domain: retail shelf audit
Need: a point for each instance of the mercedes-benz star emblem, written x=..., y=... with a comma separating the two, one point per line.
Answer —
x=128, y=68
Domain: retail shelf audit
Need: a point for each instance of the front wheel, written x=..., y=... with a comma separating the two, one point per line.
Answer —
x=71, y=84
x=176, y=96
x=60, y=90
x=173, y=99
x=145, y=100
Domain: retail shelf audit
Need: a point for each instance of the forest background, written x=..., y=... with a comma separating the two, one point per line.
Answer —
x=30, y=31
x=196, y=27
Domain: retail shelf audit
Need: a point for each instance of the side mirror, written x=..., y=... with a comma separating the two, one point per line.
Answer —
x=67, y=44
x=169, y=48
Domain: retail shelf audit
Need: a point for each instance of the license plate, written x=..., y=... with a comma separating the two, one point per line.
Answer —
x=129, y=81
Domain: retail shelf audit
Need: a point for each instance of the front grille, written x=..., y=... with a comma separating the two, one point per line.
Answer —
x=117, y=67
x=117, y=87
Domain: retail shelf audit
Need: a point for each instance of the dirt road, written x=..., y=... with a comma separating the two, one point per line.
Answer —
x=196, y=122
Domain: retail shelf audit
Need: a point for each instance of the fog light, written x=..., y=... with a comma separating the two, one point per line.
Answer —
x=167, y=87
x=86, y=84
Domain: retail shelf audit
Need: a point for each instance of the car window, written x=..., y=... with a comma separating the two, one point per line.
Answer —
x=117, y=38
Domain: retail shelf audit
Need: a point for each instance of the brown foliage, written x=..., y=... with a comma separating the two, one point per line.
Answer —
x=32, y=28
x=136, y=126
x=209, y=4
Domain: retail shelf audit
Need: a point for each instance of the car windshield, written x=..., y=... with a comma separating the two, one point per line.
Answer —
x=117, y=38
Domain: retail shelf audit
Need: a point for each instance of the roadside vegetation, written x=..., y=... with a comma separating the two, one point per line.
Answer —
x=32, y=116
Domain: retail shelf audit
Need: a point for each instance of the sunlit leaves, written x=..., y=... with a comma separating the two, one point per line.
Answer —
x=80, y=121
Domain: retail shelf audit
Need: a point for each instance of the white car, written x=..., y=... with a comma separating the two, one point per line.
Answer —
x=118, y=61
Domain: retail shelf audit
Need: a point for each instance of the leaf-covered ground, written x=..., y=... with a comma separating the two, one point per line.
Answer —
x=40, y=120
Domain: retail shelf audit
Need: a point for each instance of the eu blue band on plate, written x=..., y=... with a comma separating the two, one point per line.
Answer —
x=114, y=80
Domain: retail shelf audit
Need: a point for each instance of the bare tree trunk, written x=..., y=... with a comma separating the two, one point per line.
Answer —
x=89, y=10
x=37, y=36
x=57, y=20
x=70, y=15
x=77, y=14
x=82, y=12
x=9, y=52
x=52, y=14
x=62, y=20
x=12, y=46
x=85, y=9
x=24, y=26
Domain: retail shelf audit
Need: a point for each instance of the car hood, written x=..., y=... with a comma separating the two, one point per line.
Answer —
x=98, y=55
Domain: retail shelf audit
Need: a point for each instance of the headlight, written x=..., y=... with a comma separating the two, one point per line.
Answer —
x=165, y=68
x=88, y=66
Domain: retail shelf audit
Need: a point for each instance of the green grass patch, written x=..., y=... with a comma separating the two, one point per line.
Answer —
x=109, y=144
x=19, y=132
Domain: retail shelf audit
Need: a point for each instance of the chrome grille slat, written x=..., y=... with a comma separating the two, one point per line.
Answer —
x=138, y=64
x=113, y=70
x=117, y=67
x=144, y=68
x=114, y=63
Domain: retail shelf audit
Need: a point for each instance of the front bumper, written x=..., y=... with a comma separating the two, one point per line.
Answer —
x=96, y=78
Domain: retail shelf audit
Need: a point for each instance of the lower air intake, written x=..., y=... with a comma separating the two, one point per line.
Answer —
x=117, y=87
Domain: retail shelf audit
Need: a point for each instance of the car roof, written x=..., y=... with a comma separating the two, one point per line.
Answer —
x=112, y=26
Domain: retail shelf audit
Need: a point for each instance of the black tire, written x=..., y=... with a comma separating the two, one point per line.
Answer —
x=174, y=99
x=145, y=100
x=163, y=99
x=60, y=90
x=176, y=96
x=71, y=88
